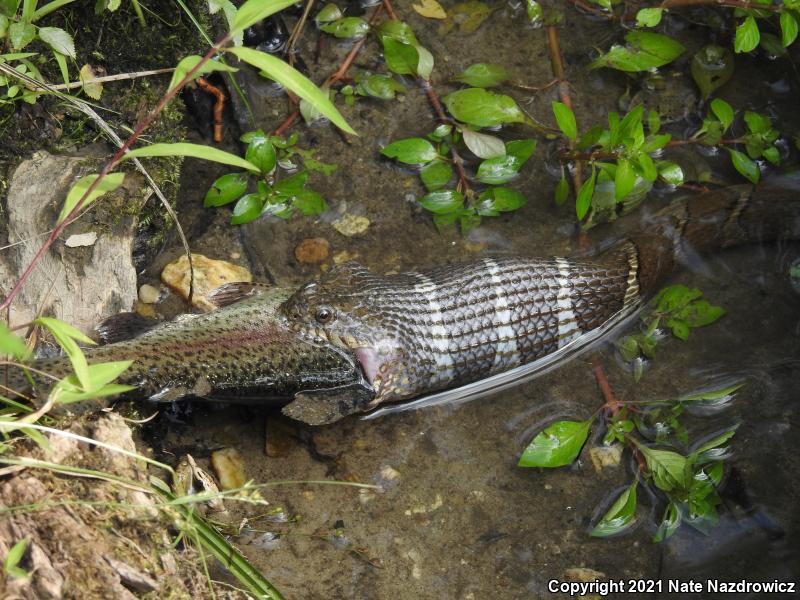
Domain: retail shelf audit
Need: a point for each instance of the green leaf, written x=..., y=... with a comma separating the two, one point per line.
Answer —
x=309, y=202
x=424, y=63
x=714, y=443
x=483, y=108
x=483, y=75
x=58, y=39
x=328, y=13
x=292, y=185
x=101, y=374
x=709, y=395
x=723, y=111
x=669, y=524
x=11, y=344
x=347, y=27
x=483, y=145
x=649, y=17
x=653, y=122
x=772, y=155
x=620, y=516
x=4, y=23
x=468, y=222
x=20, y=34
x=443, y=201
x=190, y=62
x=436, y=175
x=497, y=200
x=521, y=149
x=670, y=172
x=253, y=11
x=566, y=120
x=562, y=190
x=556, y=446
x=712, y=67
x=381, y=86
x=747, y=35
x=667, y=468
x=535, y=12
x=788, y=29
x=195, y=151
x=247, y=209
x=745, y=165
x=62, y=65
x=406, y=59
x=411, y=151
x=108, y=184
x=226, y=189
x=757, y=123
x=498, y=170
x=624, y=180
x=14, y=557
x=644, y=50
x=679, y=328
x=584, y=199
x=261, y=153
x=398, y=31
x=647, y=166
x=699, y=313
x=293, y=80
x=66, y=336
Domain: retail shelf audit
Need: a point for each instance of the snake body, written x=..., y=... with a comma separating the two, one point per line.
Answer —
x=418, y=332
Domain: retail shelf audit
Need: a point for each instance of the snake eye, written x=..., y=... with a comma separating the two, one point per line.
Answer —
x=324, y=315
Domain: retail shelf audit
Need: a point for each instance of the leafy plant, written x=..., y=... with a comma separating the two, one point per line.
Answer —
x=281, y=197
x=677, y=307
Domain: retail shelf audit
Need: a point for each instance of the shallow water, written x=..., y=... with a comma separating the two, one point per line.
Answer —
x=455, y=517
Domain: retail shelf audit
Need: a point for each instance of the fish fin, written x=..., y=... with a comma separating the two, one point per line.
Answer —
x=233, y=292
x=322, y=407
x=121, y=327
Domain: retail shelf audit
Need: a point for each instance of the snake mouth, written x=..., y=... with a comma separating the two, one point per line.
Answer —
x=366, y=354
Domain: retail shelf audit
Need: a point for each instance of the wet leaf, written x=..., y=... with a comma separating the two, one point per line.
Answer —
x=521, y=149
x=667, y=468
x=620, y=516
x=756, y=122
x=401, y=58
x=772, y=155
x=467, y=222
x=309, y=202
x=699, y=313
x=566, y=120
x=253, y=11
x=292, y=80
x=381, y=86
x=771, y=45
x=679, y=329
x=497, y=200
x=329, y=13
x=226, y=189
x=745, y=165
x=190, y=62
x=644, y=50
x=535, y=12
x=346, y=28
x=712, y=67
x=261, y=153
x=247, y=209
x=747, y=35
x=425, y=63
x=483, y=108
x=653, y=122
x=556, y=446
x=498, y=170
x=562, y=190
x=670, y=172
x=430, y=9
x=723, y=111
x=467, y=16
x=483, y=145
x=647, y=167
x=649, y=17
x=411, y=151
x=11, y=344
x=193, y=150
x=292, y=185
x=58, y=39
x=709, y=395
x=624, y=179
x=107, y=184
x=443, y=202
x=398, y=31
x=436, y=175
x=788, y=28
x=705, y=452
x=584, y=199
x=483, y=75
x=669, y=523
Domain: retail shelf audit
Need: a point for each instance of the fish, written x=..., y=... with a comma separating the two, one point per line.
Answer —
x=242, y=352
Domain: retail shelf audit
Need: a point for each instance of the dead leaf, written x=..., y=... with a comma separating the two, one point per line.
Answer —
x=466, y=16
x=430, y=9
x=92, y=88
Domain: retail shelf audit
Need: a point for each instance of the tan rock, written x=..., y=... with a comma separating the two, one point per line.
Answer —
x=229, y=466
x=209, y=274
x=350, y=225
x=313, y=250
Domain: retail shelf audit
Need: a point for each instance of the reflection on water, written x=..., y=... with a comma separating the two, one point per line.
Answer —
x=454, y=516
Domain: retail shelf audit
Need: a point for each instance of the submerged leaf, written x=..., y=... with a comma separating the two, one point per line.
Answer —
x=411, y=151
x=556, y=446
x=483, y=108
x=644, y=50
x=483, y=75
x=620, y=516
x=436, y=175
x=712, y=67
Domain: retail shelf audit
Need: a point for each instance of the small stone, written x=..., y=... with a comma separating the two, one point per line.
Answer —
x=81, y=239
x=209, y=274
x=149, y=294
x=229, y=467
x=350, y=225
x=313, y=250
x=605, y=456
x=344, y=256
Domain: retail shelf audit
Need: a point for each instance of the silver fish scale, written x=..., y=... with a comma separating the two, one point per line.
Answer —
x=456, y=324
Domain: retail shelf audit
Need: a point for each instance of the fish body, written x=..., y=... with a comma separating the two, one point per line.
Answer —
x=471, y=328
x=242, y=352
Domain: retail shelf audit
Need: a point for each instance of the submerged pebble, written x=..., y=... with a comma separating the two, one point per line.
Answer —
x=312, y=250
x=229, y=466
x=209, y=274
x=605, y=456
x=148, y=294
x=350, y=225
